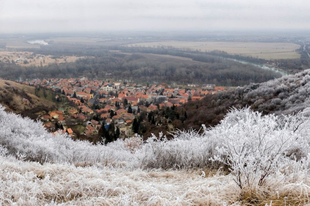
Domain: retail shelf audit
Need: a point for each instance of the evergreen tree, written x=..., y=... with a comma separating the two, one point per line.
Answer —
x=112, y=114
x=125, y=102
x=149, y=117
x=103, y=134
x=153, y=120
x=117, y=105
x=117, y=133
x=135, y=126
x=111, y=134
x=129, y=109
x=173, y=107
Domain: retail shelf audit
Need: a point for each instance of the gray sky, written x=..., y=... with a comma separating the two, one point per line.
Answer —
x=155, y=15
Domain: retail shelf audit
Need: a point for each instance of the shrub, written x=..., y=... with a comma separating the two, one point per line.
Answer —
x=256, y=147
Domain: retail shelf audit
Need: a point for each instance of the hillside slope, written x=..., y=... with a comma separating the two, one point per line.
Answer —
x=286, y=95
x=21, y=99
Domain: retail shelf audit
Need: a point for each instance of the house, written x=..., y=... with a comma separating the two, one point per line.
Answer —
x=129, y=121
x=50, y=126
x=174, y=100
x=69, y=92
x=72, y=111
x=90, y=128
x=84, y=95
x=162, y=105
x=105, y=115
x=108, y=87
x=82, y=117
x=54, y=115
x=69, y=131
x=152, y=108
x=94, y=122
x=103, y=100
x=195, y=98
x=143, y=108
x=121, y=111
x=119, y=121
x=59, y=112
x=217, y=89
x=89, y=133
x=87, y=90
x=183, y=101
x=131, y=99
x=128, y=116
x=61, y=118
x=121, y=95
x=168, y=104
x=46, y=118
x=116, y=117
x=86, y=110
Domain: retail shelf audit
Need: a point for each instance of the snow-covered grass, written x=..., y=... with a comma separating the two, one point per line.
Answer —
x=247, y=159
x=28, y=183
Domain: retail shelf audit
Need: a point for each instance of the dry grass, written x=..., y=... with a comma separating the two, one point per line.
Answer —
x=34, y=59
x=255, y=49
x=16, y=92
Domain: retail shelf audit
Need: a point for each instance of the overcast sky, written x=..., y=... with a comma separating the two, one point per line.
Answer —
x=152, y=15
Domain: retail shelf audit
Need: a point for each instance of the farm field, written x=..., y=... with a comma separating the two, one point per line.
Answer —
x=262, y=50
x=18, y=43
x=90, y=41
x=74, y=40
x=29, y=58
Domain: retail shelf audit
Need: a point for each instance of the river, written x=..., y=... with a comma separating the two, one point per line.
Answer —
x=262, y=66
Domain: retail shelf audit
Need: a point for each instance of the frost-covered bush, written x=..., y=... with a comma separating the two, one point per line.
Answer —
x=256, y=147
x=25, y=138
x=186, y=150
x=252, y=146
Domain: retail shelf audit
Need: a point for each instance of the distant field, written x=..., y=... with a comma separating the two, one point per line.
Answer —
x=79, y=40
x=74, y=40
x=17, y=44
x=255, y=49
x=28, y=58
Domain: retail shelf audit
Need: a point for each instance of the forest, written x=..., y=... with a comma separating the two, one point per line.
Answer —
x=140, y=66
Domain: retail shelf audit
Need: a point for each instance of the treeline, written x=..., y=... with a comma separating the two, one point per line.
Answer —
x=144, y=68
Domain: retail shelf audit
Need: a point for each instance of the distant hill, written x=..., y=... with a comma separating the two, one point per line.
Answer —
x=286, y=95
x=21, y=99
